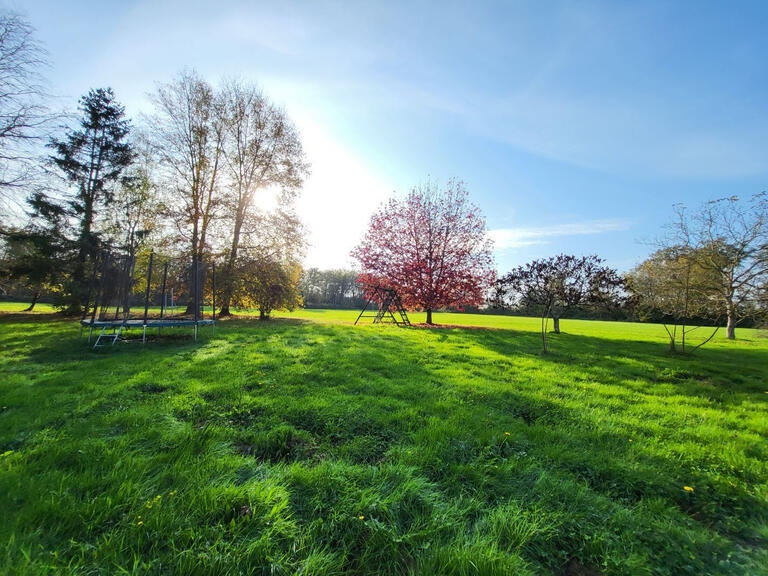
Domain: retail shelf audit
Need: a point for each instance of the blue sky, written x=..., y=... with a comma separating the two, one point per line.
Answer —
x=576, y=125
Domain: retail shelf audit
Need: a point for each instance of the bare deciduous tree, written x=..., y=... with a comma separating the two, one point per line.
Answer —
x=188, y=133
x=262, y=150
x=669, y=286
x=729, y=239
x=132, y=216
x=23, y=110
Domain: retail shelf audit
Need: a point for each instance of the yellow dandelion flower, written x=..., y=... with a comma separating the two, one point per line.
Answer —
x=687, y=488
x=172, y=492
x=361, y=517
x=149, y=505
x=506, y=433
x=139, y=523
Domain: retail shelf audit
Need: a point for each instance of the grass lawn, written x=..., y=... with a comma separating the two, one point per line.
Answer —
x=306, y=445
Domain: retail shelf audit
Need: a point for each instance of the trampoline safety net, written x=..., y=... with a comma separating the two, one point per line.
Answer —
x=148, y=291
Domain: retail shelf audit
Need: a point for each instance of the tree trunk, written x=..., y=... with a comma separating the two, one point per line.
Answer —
x=544, y=334
x=226, y=293
x=196, y=248
x=556, y=325
x=263, y=315
x=731, y=325
x=429, y=316
x=85, y=250
x=35, y=298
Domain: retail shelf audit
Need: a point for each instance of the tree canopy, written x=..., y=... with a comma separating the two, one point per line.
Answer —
x=432, y=247
x=557, y=284
x=727, y=239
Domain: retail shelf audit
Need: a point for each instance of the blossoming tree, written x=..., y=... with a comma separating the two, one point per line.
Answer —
x=432, y=247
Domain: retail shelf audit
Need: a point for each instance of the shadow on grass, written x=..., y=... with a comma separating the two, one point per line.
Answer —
x=726, y=375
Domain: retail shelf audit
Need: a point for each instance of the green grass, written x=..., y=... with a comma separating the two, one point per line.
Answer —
x=306, y=445
x=40, y=308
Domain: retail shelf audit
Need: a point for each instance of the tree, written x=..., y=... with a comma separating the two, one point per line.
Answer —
x=33, y=258
x=761, y=304
x=134, y=211
x=268, y=268
x=556, y=285
x=432, y=247
x=269, y=284
x=261, y=150
x=672, y=287
x=23, y=110
x=728, y=238
x=331, y=288
x=188, y=133
x=91, y=158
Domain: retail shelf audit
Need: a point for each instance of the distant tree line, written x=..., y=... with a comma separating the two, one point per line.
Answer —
x=335, y=288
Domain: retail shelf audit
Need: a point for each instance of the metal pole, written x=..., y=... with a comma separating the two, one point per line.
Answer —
x=165, y=277
x=128, y=287
x=213, y=299
x=122, y=288
x=196, y=296
x=146, y=295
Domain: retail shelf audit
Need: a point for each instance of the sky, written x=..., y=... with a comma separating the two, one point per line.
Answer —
x=576, y=126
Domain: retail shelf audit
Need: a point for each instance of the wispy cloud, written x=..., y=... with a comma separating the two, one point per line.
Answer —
x=511, y=238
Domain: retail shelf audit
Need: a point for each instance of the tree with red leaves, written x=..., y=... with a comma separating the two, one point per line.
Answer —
x=432, y=247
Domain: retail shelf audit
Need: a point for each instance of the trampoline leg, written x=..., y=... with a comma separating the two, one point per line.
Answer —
x=90, y=331
x=144, y=335
x=195, y=331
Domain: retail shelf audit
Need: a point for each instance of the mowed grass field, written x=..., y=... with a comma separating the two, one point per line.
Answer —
x=307, y=445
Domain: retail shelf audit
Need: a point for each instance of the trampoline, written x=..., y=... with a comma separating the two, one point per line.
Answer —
x=175, y=293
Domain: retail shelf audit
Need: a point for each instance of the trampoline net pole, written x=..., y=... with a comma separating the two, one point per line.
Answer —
x=149, y=282
x=162, y=291
x=196, y=296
